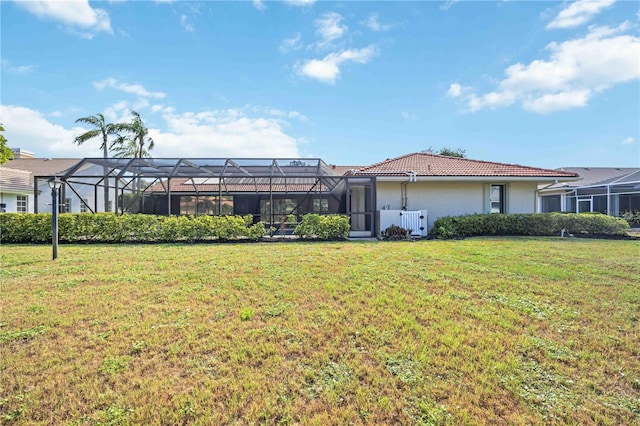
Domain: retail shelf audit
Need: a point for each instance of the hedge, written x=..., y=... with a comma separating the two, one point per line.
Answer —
x=111, y=228
x=323, y=227
x=580, y=224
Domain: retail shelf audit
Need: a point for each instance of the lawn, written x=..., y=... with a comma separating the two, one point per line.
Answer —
x=478, y=331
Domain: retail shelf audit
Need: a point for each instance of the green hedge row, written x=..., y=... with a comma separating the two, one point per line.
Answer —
x=111, y=228
x=323, y=227
x=529, y=224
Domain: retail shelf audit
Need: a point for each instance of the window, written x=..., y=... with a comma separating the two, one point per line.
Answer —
x=206, y=205
x=66, y=208
x=496, y=198
x=21, y=204
x=320, y=205
x=83, y=206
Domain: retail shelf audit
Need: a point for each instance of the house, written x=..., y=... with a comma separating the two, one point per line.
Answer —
x=449, y=186
x=34, y=190
x=608, y=190
x=16, y=190
x=411, y=190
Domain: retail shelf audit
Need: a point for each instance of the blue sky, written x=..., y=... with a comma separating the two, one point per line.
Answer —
x=546, y=84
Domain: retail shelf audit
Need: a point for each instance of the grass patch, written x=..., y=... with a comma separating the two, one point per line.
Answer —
x=478, y=331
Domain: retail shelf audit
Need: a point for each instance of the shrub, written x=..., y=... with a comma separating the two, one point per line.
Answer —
x=327, y=227
x=632, y=217
x=395, y=232
x=529, y=224
x=111, y=228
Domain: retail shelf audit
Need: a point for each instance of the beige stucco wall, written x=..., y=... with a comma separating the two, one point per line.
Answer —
x=521, y=197
x=454, y=198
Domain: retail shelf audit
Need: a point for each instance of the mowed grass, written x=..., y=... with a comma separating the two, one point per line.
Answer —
x=480, y=331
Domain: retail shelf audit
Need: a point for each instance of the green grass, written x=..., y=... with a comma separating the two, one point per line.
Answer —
x=479, y=331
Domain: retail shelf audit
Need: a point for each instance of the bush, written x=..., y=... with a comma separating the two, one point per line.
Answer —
x=586, y=224
x=632, y=217
x=111, y=228
x=395, y=232
x=328, y=227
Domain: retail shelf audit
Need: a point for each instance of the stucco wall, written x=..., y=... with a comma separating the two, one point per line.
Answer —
x=521, y=197
x=10, y=199
x=453, y=198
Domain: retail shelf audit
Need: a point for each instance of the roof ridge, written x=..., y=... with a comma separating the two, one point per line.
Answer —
x=459, y=159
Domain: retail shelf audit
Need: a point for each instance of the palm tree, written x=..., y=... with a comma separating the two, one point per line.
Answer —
x=130, y=143
x=133, y=145
x=100, y=129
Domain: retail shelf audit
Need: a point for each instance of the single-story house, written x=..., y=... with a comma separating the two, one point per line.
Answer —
x=444, y=186
x=35, y=193
x=411, y=191
x=16, y=189
x=608, y=190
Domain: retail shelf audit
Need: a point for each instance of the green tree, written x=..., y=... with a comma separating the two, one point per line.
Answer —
x=5, y=152
x=133, y=140
x=459, y=152
x=101, y=129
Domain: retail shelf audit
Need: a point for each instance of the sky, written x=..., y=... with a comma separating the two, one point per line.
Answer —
x=543, y=84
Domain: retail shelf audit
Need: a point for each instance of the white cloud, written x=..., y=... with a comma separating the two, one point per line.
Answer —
x=408, y=116
x=184, y=21
x=329, y=28
x=17, y=69
x=300, y=3
x=223, y=133
x=374, y=24
x=134, y=89
x=327, y=69
x=447, y=4
x=455, y=90
x=628, y=141
x=552, y=102
x=294, y=43
x=578, y=13
x=29, y=129
x=259, y=4
x=576, y=71
x=76, y=14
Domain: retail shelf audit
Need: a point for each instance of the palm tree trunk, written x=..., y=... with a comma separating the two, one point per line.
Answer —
x=106, y=179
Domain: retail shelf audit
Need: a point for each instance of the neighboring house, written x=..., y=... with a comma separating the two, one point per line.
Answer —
x=16, y=191
x=420, y=186
x=608, y=190
x=38, y=193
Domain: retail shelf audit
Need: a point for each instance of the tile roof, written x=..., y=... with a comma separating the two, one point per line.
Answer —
x=432, y=165
x=590, y=176
x=15, y=179
x=42, y=166
x=234, y=185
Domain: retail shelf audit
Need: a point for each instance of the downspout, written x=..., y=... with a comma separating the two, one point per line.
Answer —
x=404, y=199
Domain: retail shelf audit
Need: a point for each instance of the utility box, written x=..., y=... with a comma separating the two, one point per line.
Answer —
x=416, y=220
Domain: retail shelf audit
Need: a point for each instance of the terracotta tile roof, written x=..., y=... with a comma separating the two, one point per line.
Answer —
x=15, y=179
x=186, y=185
x=425, y=164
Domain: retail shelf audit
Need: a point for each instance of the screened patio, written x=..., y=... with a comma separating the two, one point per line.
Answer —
x=276, y=191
